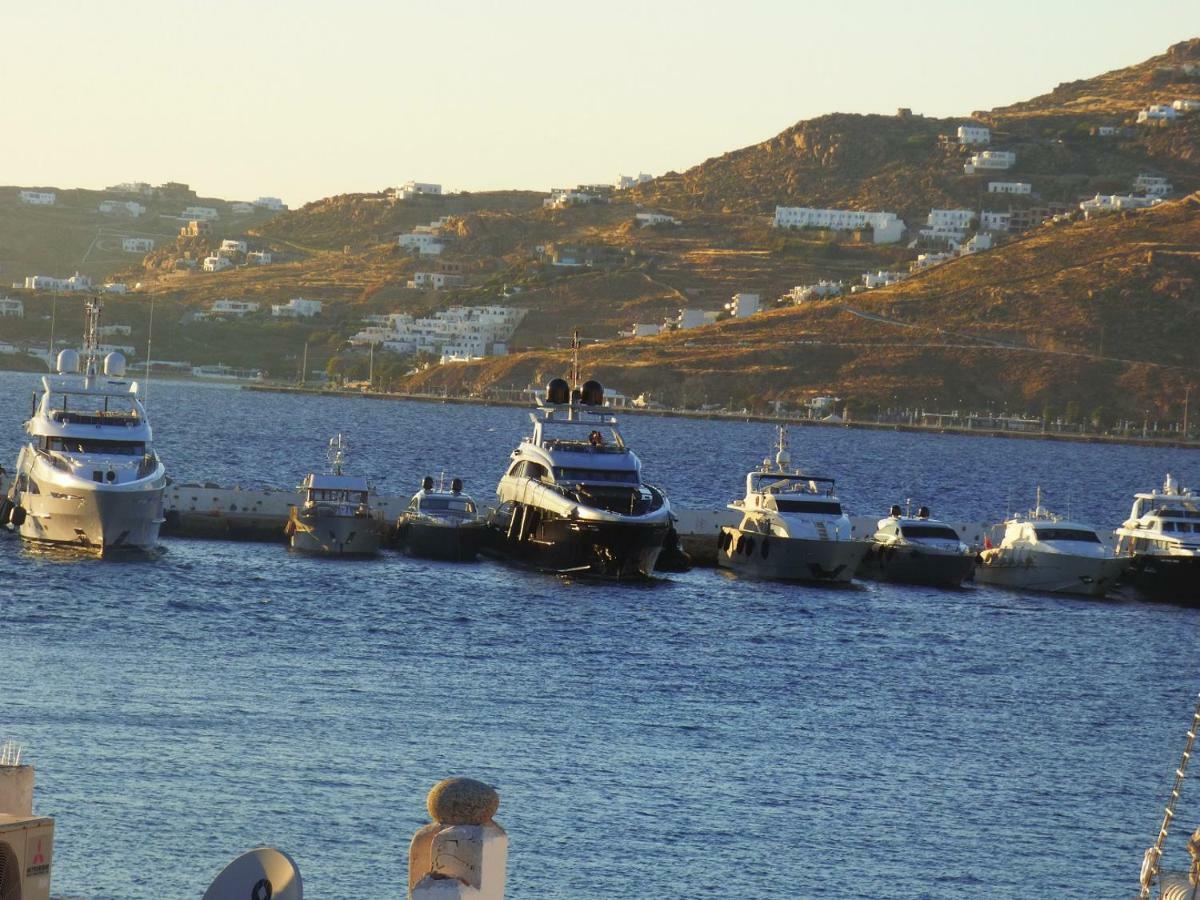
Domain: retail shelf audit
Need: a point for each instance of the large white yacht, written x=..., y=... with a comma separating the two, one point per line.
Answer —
x=88, y=477
x=917, y=550
x=1161, y=542
x=793, y=527
x=1040, y=551
x=335, y=518
x=572, y=499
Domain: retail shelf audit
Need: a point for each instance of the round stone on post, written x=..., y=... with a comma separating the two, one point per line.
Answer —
x=463, y=853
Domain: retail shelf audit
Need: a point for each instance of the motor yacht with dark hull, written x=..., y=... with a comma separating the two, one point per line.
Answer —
x=793, y=527
x=88, y=477
x=572, y=500
x=917, y=550
x=1161, y=543
x=440, y=523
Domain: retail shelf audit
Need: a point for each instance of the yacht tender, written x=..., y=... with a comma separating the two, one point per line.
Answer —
x=88, y=476
x=572, y=499
x=440, y=523
x=335, y=518
x=793, y=527
x=917, y=550
x=1161, y=542
x=1044, y=552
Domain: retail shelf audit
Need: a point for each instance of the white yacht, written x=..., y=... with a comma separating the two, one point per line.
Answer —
x=572, y=499
x=1040, y=551
x=917, y=550
x=1161, y=542
x=335, y=518
x=88, y=477
x=440, y=523
x=793, y=527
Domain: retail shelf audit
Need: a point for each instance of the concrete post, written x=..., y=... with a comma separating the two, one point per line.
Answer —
x=463, y=853
x=16, y=790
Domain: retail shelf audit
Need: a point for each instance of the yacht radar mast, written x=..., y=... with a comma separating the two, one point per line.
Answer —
x=337, y=454
x=91, y=335
x=783, y=459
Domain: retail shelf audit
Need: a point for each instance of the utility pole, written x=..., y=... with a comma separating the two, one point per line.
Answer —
x=304, y=366
x=371, y=369
x=1186, y=396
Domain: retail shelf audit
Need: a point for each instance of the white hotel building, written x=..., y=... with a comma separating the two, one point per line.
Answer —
x=1010, y=187
x=990, y=161
x=948, y=224
x=296, y=308
x=974, y=134
x=887, y=227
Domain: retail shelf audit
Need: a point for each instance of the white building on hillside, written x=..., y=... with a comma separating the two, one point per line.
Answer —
x=76, y=282
x=995, y=220
x=460, y=332
x=137, y=245
x=411, y=189
x=229, y=245
x=258, y=258
x=271, y=203
x=929, y=260
x=692, y=318
x=424, y=244
x=974, y=134
x=819, y=291
x=38, y=198
x=113, y=330
x=947, y=224
x=645, y=218
x=979, y=241
x=624, y=182
x=990, y=161
x=1103, y=203
x=1185, y=106
x=639, y=330
x=200, y=213
x=233, y=308
x=880, y=279
x=10, y=308
x=561, y=198
x=241, y=208
x=296, y=308
x=116, y=287
x=1157, y=112
x=1010, y=187
x=122, y=208
x=886, y=226
x=132, y=187
x=1106, y=130
x=438, y=281
x=743, y=305
x=217, y=264
x=1154, y=185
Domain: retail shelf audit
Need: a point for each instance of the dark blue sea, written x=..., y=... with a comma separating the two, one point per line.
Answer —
x=697, y=737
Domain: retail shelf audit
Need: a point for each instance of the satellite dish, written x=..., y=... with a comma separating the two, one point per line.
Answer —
x=261, y=874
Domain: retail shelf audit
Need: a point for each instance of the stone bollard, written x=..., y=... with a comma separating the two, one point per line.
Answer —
x=462, y=854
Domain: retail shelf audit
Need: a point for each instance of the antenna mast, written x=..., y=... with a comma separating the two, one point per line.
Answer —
x=149, y=340
x=91, y=333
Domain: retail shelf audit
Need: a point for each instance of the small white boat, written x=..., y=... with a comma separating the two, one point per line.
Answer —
x=1161, y=543
x=1040, y=551
x=440, y=523
x=335, y=518
x=917, y=550
x=793, y=527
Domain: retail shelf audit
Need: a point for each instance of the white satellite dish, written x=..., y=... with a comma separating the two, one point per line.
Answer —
x=260, y=874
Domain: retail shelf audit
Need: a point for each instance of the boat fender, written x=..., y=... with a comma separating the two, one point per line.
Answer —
x=748, y=546
x=6, y=507
x=766, y=548
x=290, y=528
x=17, y=516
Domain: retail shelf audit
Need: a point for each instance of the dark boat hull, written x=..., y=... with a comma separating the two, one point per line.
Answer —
x=610, y=550
x=450, y=543
x=1172, y=579
x=904, y=565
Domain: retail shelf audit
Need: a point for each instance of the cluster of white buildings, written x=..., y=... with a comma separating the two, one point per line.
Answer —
x=948, y=225
x=455, y=334
x=10, y=308
x=1167, y=112
x=216, y=263
x=76, y=282
x=887, y=228
x=229, y=309
x=137, y=245
x=624, y=182
x=38, y=198
x=296, y=308
x=1153, y=185
x=561, y=198
x=743, y=305
x=1106, y=203
x=130, y=208
x=411, y=189
x=647, y=218
x=990, y=161
x=272, y=203
x=132, y=187
x=258, y=258
x=819, y=291
x=427, y=240
x=872, y=280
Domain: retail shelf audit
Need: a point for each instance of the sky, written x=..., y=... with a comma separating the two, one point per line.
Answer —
x=303, y=100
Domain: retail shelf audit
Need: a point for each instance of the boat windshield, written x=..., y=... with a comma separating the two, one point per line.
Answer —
x=446, y=504
x=1067, y=534
x=943, y=532
x=573, y=475
x=824, y=507
x=95, y=446
x=1179, y=526
x=331, y=495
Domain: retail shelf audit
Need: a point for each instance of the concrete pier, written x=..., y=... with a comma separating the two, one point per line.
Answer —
x=463, y=853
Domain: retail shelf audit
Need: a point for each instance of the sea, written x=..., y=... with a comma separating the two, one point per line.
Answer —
x=697, y=736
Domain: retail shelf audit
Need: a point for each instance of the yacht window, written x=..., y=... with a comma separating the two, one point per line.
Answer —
x=1169, y=526
x=586, y=476
x=96, y=446
x=446, y=503
x=527, y=469
x=945, y=532
x=1183, y=526
x=823, y=507
x=1067, y=534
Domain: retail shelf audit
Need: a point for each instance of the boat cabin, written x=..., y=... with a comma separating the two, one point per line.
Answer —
x=337, y=493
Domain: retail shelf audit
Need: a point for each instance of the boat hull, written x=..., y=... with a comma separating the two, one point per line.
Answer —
x=618, y=550
x=1174, y=579
x=1056, y=573
x=788, y=559
x=334, y=535
x=442, y=541
x=916, y=565
x=105, y=520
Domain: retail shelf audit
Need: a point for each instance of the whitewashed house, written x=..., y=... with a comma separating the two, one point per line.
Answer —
x=76, y=282
x=411, y=189
x=424, y=244
x=640, y=330
x=995, y=220
x=217, y=264
x=561, y=198
x=1106, y=203
x=241, y=208
x=818, y=291
x=1010, y=187
x=1154, y=185
x=11, y=309
x=258, y=258
x=929, y=260
x=1185, y=106
x=692, y=318
x=974, y=134
x=199, y=213
x=644, y=218
x=132, y=187
x=271, y=203
x=1106, y=130
x=137, y=245
x=116, y=287
x=1157, y=112
x=887, y=227
x=438, y=281
x=233, y=308
x=990, y=161
x=130, y=208
x=113, y=330
x=743, y=305
x=980, y=241
x=947, y=224
x=296, y=308
x=229, y=245
x=871, y=280
x=38, y=198
x=624, y=182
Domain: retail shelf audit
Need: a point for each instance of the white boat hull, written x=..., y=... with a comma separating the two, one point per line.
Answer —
x=335, y=535
x=103, y=519
x=789, y=559
x=1051, y=572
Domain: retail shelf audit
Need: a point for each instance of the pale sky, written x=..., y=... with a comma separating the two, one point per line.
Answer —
x=301, y=100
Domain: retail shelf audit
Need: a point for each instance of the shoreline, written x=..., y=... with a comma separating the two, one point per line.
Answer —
x=1065, y=437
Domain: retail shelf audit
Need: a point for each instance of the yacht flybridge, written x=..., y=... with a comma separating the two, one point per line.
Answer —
x=88, y=476
x=572, y=499
x=1161, y=542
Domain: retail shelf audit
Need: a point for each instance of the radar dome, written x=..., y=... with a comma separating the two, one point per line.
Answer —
x=592, y=393
x=68, y=361
x=114, y=364
x=558, y=391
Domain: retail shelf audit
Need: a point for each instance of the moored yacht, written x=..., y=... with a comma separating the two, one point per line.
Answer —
x=917, y=550
x=440, y=523
x=88, y=477
x=1040, y=551
x=1161, y=542
x=335, y=518
x=572, y=499
x=793, y=527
